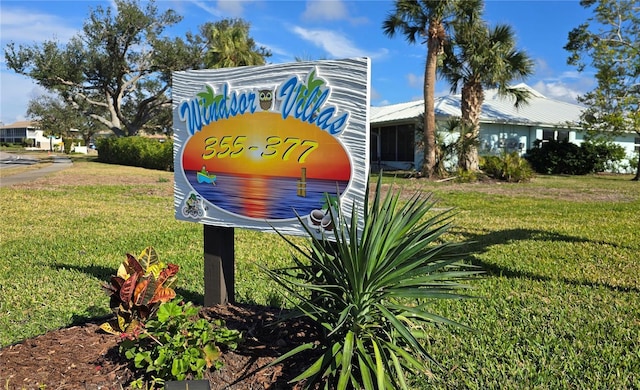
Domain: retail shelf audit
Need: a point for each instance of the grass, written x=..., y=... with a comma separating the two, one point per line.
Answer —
x=6, y=172
x=558, y=308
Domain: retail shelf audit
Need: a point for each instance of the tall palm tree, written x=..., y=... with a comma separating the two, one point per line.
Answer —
x=425, y=20
x=232, y=46
x=477, y=58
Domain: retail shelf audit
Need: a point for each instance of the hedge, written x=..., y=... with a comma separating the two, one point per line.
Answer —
x=136, y=151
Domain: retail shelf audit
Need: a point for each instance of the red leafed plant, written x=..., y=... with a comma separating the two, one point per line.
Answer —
x=137, y=290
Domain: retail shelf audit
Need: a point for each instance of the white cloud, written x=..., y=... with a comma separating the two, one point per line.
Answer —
x=16, y=89
x=329, y=10
x=15, y=94
x=203, y=5
x=232, y=8
x=334, y=43
x=222, y=8
x=40, y=26
x=542, y=68
x=415, y=81
x=374, y=94
x=572, y=74
x=276, y=50
x=564, y=86
x=325, y=10
x=557, y=90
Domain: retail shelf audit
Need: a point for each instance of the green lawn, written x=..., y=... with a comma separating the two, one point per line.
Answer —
x=559, y=306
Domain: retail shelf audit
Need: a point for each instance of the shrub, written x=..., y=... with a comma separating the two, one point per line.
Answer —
x=557, y=157
x=369, y=293
x=564, y=157
x=633, y=162
x=606, y=155
x=67, y=144
x=136, y=151
x=509, y=167
x=466, y=176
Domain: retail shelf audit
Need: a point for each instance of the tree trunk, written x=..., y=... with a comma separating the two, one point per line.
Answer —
x=472, y=99
x=434, y=47
x=637, y=176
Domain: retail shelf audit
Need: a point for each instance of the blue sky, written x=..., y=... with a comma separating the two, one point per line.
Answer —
x=320, y=29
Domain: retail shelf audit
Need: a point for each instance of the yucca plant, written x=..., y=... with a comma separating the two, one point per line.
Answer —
x=137, y=290
x=369, y=292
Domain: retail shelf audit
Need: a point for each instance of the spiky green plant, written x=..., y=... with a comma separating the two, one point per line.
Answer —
x=369, y=291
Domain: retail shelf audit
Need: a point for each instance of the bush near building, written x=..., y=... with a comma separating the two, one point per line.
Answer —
x=136, y=151
x=564, y=157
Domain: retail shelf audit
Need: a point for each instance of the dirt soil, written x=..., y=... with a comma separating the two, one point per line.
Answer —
x=85, y=357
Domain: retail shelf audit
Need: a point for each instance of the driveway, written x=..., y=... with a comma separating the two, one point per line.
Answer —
x=8, y=160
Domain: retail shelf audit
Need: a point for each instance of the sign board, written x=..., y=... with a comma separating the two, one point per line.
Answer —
x=255, y=147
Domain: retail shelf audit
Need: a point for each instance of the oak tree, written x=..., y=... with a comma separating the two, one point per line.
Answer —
x=117, y=70
x=57, y=119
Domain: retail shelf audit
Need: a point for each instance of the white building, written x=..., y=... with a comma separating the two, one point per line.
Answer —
x=30, y=133
x=502, y=127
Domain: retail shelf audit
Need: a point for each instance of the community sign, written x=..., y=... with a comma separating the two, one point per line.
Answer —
x=269, y=146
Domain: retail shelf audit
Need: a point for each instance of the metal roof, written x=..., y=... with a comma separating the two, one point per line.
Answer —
x=540, y=110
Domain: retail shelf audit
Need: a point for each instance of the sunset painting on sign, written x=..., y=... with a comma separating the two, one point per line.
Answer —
x=260, y=165
x=264, y=144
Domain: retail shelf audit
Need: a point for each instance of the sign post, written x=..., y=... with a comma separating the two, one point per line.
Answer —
x=219, y=265
x=268, y=147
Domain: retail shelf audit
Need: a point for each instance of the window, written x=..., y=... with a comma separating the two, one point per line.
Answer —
x=394, y=143
x=406, y=143
x=555, y=135
x=563, y=135
x=388, y=142
x=548, y=135
x=13, y=135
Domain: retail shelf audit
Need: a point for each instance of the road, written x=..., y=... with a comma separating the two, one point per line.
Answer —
x=9, y=160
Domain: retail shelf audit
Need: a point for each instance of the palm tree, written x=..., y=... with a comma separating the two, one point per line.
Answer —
x=426, y=20
x=479, y=58
x=232, y=46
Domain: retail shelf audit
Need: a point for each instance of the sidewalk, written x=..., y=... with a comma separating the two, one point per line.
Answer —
x=59, y=163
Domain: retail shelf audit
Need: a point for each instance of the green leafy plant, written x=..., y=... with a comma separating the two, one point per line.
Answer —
x=564, y=157
x=369, y=293
x=465, y=176
x=509, y=167
x=137, y=290
x=179, y=345
x=136, y=152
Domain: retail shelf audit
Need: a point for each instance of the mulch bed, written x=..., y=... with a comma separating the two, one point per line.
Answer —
x=84, y=357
